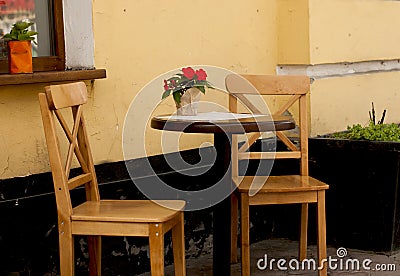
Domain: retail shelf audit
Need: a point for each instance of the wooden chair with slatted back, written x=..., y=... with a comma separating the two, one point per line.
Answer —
x=94, y=217
x=287, y=189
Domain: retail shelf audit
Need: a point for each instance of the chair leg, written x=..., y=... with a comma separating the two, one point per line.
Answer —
x=303, y=232
x=234, y=227
x=178, y=247
x=245, y=233
x=66, y=244
x=321, y=217
x=156, y=244
x=94, y=244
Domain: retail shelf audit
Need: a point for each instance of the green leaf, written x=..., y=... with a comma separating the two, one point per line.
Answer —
x=14, y=32
x=9, y=36
x=201, y=88
x=25, y=37
x=166, y=94
x=380, y=132
x=177, y=97
x=174, y=78
x=22, y=37
x=31, y=33
x=20, y=31
x=22, y=25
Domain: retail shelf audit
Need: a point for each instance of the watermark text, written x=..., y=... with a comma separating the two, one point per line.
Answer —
x=338, y=263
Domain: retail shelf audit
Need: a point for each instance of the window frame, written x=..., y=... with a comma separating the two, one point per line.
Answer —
x=57, y=61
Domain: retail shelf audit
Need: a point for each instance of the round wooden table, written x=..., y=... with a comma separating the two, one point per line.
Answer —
x=222, y=131
x=257, y=123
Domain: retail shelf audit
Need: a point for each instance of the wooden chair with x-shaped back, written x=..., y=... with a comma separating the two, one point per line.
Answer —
x=286, y=189
x=95, y=217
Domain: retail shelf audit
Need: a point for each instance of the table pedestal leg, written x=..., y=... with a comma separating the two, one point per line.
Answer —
x=222, y=210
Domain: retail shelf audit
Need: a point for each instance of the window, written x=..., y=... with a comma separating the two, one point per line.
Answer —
x=49, y=54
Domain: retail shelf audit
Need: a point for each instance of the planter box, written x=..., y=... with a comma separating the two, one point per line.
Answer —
x=362, y=203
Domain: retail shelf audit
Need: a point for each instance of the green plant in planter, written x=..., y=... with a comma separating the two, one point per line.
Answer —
x=373, y=131
x=20, y=32
x=19, y=48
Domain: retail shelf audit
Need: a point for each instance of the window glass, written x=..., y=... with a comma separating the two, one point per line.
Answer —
x=47, y=16
x=36, y=11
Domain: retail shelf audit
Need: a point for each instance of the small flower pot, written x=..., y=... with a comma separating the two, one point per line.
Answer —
x=189, y=102
x=19, y=57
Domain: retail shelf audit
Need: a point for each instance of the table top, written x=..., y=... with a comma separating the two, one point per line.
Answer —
x=235, y=123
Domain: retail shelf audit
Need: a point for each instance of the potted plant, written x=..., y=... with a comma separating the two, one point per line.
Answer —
x=185, y=88
x=362, y=167
x=19, y=47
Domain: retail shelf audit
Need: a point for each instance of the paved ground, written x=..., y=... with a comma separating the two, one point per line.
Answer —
x=287, y=250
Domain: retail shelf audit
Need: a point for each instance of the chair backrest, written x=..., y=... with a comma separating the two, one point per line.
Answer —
x=56, y=104
x=295, y=88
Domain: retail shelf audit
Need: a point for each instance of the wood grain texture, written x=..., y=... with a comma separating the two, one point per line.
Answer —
x=95, y=217
x=52, y=76
x=287, y=189
x=267, y=84
x=66, y=95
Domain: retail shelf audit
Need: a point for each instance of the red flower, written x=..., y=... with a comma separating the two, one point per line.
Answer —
x=166, y=85
x=201, y=74
x=188, y=72
x=2, y=2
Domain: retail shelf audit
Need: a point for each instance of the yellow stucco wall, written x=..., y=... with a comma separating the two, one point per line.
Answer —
x=332, y=31
x=314, y=32
x=22, y=145
x=353, y=30
x=137, y=41
x=293, y=32
x=237, y=35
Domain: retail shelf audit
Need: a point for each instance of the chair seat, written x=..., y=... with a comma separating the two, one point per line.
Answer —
x=140, y=211
x=278, y=184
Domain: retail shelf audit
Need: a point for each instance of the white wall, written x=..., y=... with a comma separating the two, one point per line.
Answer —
x=78, y=32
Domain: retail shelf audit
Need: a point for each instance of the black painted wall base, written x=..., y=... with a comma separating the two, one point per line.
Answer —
x=28, y=220
x=28, y=223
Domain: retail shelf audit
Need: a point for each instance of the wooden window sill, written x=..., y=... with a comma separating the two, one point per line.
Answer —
x=52, y=76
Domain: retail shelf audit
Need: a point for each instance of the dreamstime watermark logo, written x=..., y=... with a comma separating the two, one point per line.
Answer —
x=140, y=141
x=337, y=263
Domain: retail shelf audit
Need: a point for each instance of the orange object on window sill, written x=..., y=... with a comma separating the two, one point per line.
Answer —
x=19, y=57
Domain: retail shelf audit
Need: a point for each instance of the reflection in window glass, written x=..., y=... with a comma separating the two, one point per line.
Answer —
x=36, y=11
